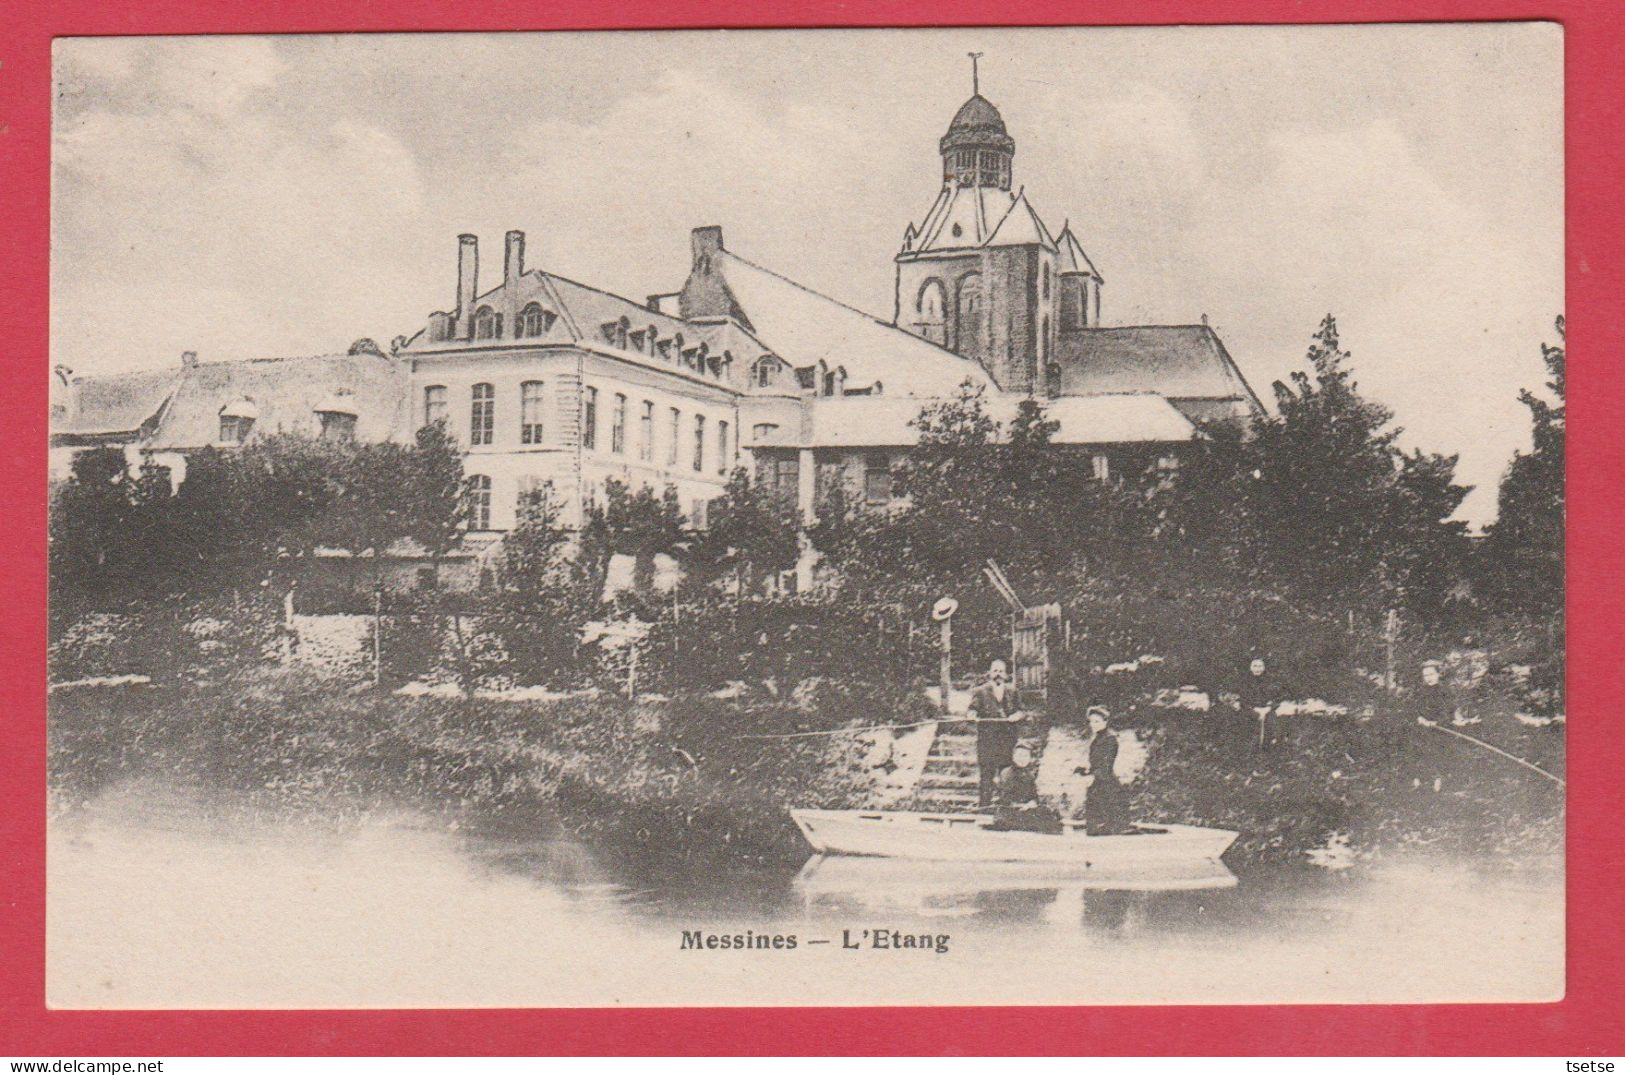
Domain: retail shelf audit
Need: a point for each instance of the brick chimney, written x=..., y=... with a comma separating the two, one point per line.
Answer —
x=513, y=262
x=704, y=243
x=468, y=272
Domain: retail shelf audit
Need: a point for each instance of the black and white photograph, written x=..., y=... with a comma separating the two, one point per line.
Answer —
x=986, y=516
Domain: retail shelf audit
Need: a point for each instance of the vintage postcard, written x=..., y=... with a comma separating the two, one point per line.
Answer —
x=1049, y=516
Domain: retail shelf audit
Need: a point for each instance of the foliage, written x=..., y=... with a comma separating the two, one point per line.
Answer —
x=1319, y=501
x=750, y=534
x=1524, y=552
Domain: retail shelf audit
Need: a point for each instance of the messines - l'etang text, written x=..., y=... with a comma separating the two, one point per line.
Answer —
x=873, y=939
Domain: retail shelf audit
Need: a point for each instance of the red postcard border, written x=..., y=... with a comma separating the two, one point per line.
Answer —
x=1590, y=1021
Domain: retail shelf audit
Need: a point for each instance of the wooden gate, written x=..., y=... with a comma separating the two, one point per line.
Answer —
x=1033, y=631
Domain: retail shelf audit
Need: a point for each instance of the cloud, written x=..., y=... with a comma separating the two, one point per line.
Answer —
x=202, y=218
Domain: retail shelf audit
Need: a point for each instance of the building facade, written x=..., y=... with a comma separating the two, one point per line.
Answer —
x=552, y=384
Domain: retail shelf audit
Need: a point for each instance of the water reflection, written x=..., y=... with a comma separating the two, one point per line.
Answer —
x=157, y=902
x=1057, y=895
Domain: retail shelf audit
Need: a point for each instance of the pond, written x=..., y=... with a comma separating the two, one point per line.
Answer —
x=155, y=901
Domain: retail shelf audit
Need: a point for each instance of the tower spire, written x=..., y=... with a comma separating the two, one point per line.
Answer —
x=975, y=75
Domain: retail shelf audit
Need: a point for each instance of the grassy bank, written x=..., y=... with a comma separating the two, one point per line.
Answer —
x=655, y=780
x=677, y=780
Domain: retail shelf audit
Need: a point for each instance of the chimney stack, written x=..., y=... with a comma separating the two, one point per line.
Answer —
x=704, y=242
x=513, y=263
x=468, y=271
x=188, y=359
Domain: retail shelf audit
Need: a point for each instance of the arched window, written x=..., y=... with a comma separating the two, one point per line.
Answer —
x=1045, y=276
x=967, y=327
x=434, y=404
x=482, y=416
x=766, y=371
x=1052, y=380
x=930, y=306
x=622, y=330
x=487, y=325
x=530, y=412
x=532, y=322
x=477, y=501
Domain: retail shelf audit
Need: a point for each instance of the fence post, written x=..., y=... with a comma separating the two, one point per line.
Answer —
x=1390, y=634
x=947, y=660
x=377, y=634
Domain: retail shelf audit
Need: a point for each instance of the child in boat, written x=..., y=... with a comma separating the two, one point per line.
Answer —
x=1018, y=805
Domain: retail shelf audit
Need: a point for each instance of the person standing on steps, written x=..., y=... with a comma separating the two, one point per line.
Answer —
x=995, y=707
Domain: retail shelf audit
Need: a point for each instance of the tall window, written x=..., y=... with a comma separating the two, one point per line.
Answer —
x=434, y=404
x=722, y=447
x=646, y=432
x=766, y=371
x=487, y=324
x=676, y=437
x=589, y=418
x=877, y=479
x=699, y=442
x=1102, y=466
x=530, y=412
x=617, y=426
x=483, y=416
x=782, y=477
x=479, y=502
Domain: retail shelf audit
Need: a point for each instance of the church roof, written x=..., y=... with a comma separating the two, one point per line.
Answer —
x=884, y=421
x=966, y=217
x=114, y=403
x=1175, y=361
x=286, y=394
x=802, y=326
x=1073, y=259
x=977, y=115
x=1021, y=227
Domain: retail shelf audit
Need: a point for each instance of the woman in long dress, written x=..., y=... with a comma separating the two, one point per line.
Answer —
x=1106, y=805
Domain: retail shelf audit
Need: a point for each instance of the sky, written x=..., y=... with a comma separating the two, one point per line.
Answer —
x=256, y=196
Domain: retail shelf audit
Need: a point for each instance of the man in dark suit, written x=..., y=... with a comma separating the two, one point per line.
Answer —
x=996, y=708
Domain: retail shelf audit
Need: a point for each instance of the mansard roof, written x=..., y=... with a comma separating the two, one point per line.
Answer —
x=803, y=327
x=1175, y=361
x=287, y=394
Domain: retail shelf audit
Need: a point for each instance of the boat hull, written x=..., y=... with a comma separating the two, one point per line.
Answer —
x=967, y=838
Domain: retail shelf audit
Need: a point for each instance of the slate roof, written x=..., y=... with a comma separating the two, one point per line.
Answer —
x=883, y=421
x=985, y=216
x=802, y=326
x=114, y=403
x=1175, y=361
x=287, y=393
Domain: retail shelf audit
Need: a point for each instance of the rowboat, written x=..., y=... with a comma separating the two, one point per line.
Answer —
x=967, y=838
x=869, y=878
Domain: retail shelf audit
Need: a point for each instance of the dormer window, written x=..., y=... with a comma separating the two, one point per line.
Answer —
x=766, y=371
x=337, y=426
x=487, y=324
x=621, y=330
x=533, y=321
x=237, y=421
x=337, y=416
x=637, y=341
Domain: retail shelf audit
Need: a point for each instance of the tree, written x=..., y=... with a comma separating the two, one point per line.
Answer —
x=639, y=524
x=750, y=533
x=1524, y=550
x=1319, y=499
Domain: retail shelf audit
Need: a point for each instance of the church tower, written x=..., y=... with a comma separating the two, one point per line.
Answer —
x=981, y=274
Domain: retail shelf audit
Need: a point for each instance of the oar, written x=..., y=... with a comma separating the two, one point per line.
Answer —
x=1424, y=722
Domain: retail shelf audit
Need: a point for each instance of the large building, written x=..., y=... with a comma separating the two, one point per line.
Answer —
x=550, y=382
